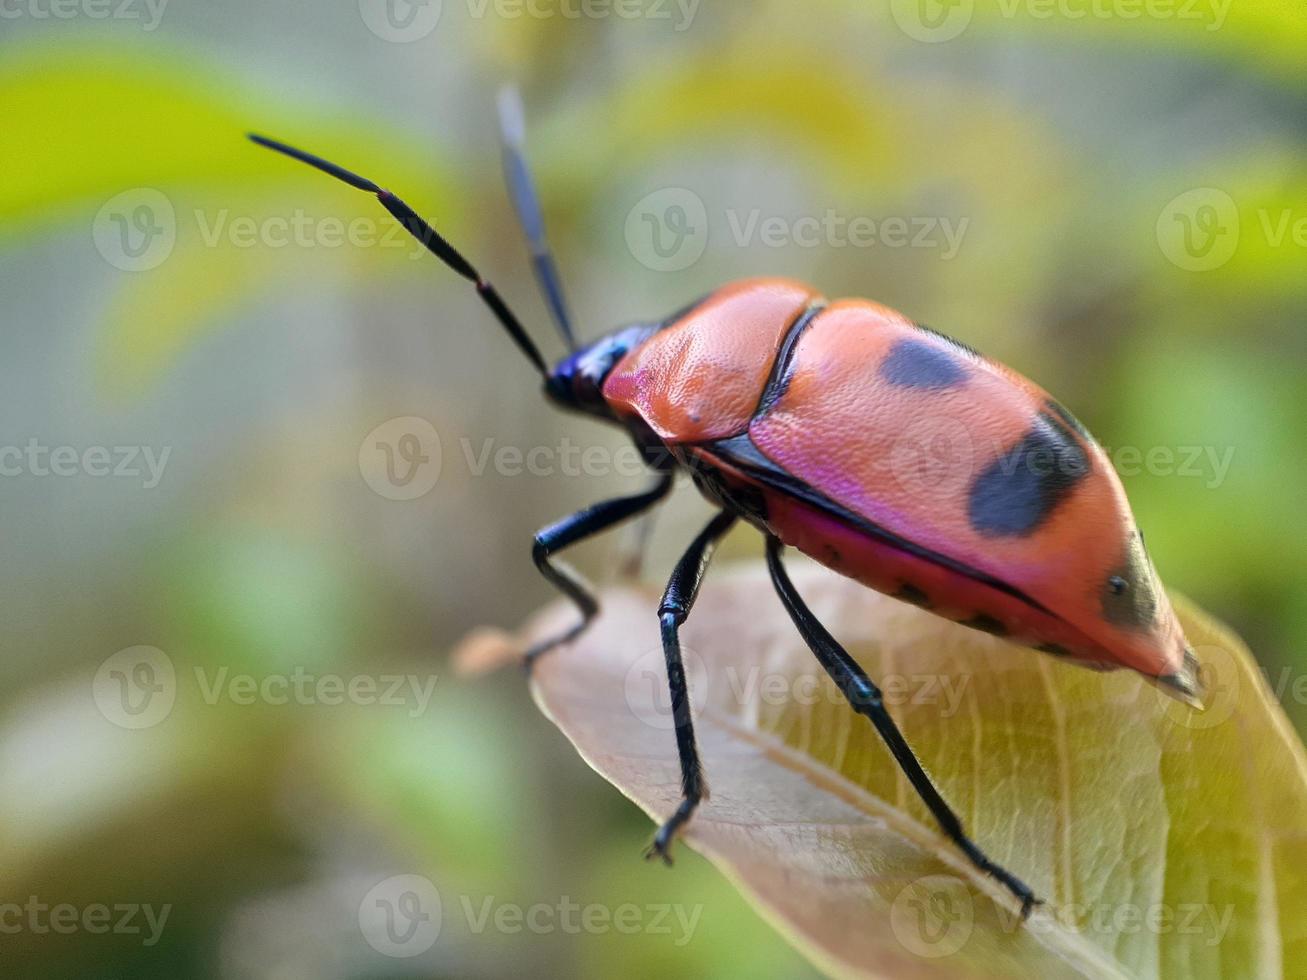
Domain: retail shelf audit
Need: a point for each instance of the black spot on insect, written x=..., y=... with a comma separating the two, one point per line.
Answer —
x=911, y=594
x=986, y=624
x=1129, y=598
x=913, y=363
x=1055, y=649
x=1020, y=490
x=956, y=343
x=1062, y=412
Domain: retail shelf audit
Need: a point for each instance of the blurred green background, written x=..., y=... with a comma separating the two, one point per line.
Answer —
x=1109, y=196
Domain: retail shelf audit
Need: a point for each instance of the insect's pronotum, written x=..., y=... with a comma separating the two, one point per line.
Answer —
x=784, y=407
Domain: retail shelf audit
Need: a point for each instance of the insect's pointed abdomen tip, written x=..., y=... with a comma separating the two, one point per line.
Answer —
x=1186, y=684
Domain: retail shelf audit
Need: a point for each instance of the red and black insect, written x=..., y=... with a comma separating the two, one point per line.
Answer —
x=788, y=411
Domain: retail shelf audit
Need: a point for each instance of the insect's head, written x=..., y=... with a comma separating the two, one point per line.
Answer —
x=576, y=382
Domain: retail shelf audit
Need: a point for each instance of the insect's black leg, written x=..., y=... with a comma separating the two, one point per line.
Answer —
x=583, y=524
x=681, y=592
x=866, y=699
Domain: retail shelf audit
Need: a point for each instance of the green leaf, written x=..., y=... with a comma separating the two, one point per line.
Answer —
x=174, y=127
x=1166, y=842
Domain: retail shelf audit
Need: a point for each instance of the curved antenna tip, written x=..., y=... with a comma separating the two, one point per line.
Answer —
x=512, y=116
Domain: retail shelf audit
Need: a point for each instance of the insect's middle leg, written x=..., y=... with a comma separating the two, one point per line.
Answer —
x=866, y=699
x=681, y=592
x=579, y=526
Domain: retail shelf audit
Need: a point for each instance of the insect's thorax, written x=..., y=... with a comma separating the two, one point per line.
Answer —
x=577, y=381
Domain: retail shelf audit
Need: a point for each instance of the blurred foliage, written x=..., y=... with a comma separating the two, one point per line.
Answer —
x=262, y=367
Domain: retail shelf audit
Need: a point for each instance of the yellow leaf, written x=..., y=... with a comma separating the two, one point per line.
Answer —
x=1166, y=842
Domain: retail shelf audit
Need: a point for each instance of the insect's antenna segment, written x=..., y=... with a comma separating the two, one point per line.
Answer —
x=428, y=236
x=526, y=202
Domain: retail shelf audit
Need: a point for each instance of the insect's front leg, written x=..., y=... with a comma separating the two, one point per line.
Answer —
x=579, y=526
x=681, y=592
x=866, y=699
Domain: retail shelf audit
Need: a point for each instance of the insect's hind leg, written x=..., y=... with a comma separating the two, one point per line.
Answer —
x=682, y=589
x=579, y=526
x=866, y=699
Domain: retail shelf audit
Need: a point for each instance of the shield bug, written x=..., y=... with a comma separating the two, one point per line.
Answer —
x=789, y=411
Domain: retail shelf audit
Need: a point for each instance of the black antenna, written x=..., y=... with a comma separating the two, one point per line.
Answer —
x=512, y=131
x=429, y=237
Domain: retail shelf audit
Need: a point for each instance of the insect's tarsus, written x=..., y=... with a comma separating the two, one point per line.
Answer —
x=435, y=243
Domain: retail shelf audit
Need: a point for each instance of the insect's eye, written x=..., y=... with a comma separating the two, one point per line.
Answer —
x=1117, y=585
